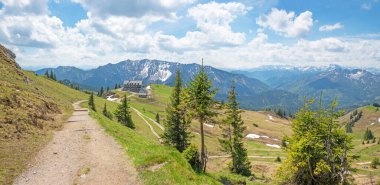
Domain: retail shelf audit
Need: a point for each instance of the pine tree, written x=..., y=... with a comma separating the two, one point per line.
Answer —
x=317, y=150
x=200, y=101
x=123, y=114
x=233, y=129
x=51, y=74
x=158, y=118
x=91, y=103
x=177, y=122
x=101, y=92
x=108, y=89
x=368, y=135
x=115, y=86
x=47, y=73
x=106, y=113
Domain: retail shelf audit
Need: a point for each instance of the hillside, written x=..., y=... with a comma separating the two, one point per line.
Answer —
x=266, y=131
x=365, y=152
x=31, y=107
x=34, y=106
x=264, y=128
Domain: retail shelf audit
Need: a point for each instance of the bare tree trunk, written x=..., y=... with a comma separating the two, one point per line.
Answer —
x=203, y=153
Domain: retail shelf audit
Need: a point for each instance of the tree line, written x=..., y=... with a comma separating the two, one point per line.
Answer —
x=354, y=117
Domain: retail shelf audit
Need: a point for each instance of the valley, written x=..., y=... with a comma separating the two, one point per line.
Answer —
x=30, y=99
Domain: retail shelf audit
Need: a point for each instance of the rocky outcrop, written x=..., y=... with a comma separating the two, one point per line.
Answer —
x=8, y=56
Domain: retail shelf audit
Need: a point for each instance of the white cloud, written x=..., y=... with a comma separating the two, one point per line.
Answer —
x=39, y=39
x=132, y=8
x=324, y=45
x=287, y=24
x=213, y=21
x=24, y=7
x=32, y=31
x=331, y=27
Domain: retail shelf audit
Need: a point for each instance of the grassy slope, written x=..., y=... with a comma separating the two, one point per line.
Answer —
x=146, y=152
x=30, y=108
x=276, y=128
x=365, y=152
x=23, y=94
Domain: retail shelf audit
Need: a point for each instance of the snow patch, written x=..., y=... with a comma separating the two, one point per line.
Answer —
x=256, y=136
x=378, y=120
x=211, y=126
x=163, y=73
x=110, y=98
x=357, y=75
x=144, y=72
x=148, y=87
x=273, y=145
x=270, y=117
x=372, y=124
x=253, y=136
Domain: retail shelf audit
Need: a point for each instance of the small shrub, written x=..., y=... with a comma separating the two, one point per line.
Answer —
x=191, y=154
x=375, y=162
x=255, y=125
x=278, y=159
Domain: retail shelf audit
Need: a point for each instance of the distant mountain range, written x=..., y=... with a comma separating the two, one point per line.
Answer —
x=352, y=87
x=264, y=87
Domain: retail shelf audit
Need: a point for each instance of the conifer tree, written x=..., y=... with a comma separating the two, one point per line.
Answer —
x=108, y=88
x=106, y=113
x=115, y=86
x=317, y=150
x=54, y=77
x=177, y=122
x=123, y=113
x=158, y=118
x=91, y=103
x=368, y=135
x=47, y=73
x=51, y=74
x=101, y=92
x=231, y=141
x=200, y=101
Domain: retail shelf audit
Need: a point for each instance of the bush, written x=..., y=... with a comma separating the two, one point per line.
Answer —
x=191, y=154
x=278, y=159
x=376, y=105
x=375, y=162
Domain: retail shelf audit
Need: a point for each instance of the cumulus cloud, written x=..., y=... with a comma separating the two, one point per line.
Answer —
x=287, y=24
x=213, y=21
x=24, y=7
x=31, y=31
x=40, y=39
x=331, y=27
x=132, y=8
x=324, y=45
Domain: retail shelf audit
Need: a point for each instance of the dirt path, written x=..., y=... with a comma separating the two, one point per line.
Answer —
x=146, y=122
x=81, y=153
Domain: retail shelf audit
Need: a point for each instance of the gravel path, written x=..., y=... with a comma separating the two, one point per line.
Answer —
x=81, y=153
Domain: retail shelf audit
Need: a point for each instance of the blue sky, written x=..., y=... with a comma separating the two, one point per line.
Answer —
x=227, y=34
